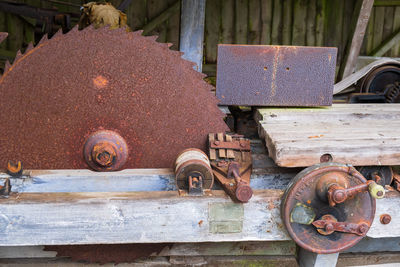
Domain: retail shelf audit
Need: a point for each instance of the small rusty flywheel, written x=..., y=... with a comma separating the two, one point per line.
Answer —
x=58, y=95
x=329, y=207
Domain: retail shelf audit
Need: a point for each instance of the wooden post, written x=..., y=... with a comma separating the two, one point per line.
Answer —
x=309, y=259
x=352, y=51
x=192, y=31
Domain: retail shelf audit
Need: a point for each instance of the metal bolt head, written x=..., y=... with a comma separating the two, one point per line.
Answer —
x=243, y=192
x=339, y=196
x=385, y=219
x=104, y=154
x=329, y=227
x=363, y=228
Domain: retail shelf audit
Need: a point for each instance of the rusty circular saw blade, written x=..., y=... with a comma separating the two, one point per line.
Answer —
x=60, y=91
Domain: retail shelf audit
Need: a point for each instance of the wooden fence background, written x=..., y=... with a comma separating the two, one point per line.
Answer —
x=285, y=22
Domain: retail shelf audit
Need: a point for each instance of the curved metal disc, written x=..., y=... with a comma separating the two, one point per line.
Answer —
x=303, y=191
x=66, y=88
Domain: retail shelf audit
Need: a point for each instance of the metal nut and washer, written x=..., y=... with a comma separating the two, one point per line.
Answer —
x=385, y=219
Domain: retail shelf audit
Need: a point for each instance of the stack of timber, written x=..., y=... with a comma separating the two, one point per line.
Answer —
x=356, y=134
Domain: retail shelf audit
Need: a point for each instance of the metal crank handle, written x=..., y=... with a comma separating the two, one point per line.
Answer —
x=338, y=194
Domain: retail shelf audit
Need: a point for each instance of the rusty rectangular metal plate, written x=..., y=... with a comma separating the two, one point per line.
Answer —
x=265, y=75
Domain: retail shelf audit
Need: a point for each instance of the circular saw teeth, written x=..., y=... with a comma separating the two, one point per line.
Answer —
x=65, y=88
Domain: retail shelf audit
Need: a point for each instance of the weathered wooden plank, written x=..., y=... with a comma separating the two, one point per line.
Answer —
x=254, y=23
x=287, y=22
x=107, y=218
x=299, y=22
x=212, y=27
x=136, y=14
x=266, y=21
x=396, y=25
x=192, y=31
x=370, y=33
x=227, y=21
x=310, y=259
x=173, y=27
x=276, y=29
x=241, y=20
x=361, y=16
x=378, y=25
x=154, y=9
x=387, y=3
x=351, y=134
x=319, y=22
x=311, y=17
x=265, y=175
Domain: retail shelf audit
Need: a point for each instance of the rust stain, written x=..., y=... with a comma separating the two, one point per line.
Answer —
x=274, y=71
x=200, y=222
x=100, y=81
x=316, y=136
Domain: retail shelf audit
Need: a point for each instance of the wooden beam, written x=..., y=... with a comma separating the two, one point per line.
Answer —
x=30, y=219
x=111, y=218
x=359, y=25
x=310, y=259
x=134, y=180
x=192, y=31
x=165, y=15
x=386, y=45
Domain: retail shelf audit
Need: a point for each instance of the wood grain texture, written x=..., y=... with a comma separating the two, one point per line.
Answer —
x=287, y=22
x=352, y=134
x=107, y=218
x=212, y=27
x=227, y=21
x=266, y=21
x=241, y=21
x=254, y=35
x=276, y=31
x=299, y=22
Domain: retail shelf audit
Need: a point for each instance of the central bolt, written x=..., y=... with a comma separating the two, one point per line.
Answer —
x=103, y=154
x=339, y=196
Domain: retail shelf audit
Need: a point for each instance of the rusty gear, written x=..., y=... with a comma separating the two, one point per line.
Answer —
x=61, y=91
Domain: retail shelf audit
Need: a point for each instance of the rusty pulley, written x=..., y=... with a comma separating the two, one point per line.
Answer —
x=325, y=208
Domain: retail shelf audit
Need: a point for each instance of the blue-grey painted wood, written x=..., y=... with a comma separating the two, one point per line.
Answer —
x=192, y=31
x=135, y=217
x=124, y=181
x=310, y=259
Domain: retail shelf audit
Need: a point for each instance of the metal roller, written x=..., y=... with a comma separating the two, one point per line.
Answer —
x=193, y=171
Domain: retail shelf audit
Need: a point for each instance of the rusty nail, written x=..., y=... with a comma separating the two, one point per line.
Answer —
x=216, y=142
x=385, y=219
x=242, y=144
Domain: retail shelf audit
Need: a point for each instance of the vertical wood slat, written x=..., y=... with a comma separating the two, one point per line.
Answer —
x=212, y=26
x=155, y=8
x=241, y=19
x=136, y=14
x=221, y=152
x=227, y=21
x=173, y=28
x=229, y=152
x=334, y=22
x=387, y=25
x=254, y=22
x=378, y=25
x=287, y=22
x=346, y=27
x=396, y=25
x=15, y=32
x=319, y=22
x=311, y=15
x=276, y=31
x=266, y=21
x=213, y=154
x=299, y=22
x=3, y=28
x=370, y=32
